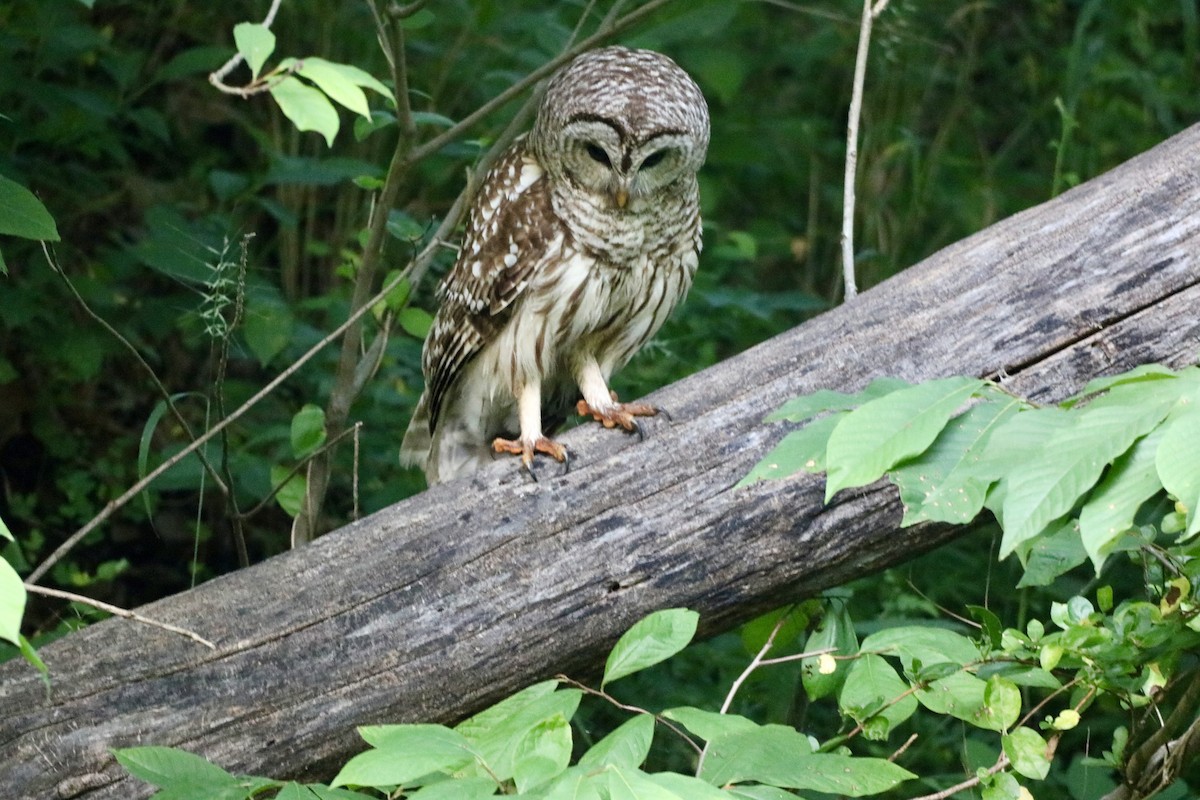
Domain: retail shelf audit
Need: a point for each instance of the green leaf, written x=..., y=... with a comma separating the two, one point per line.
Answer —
x=1002, y=701
x=308, y=430
x=758, y=792
x=23, y=215
x=5, y=532
x=1179, y=468
x=798, y=451
x=1052, y=554
x=168, y=767
x=709, y=725
x=627, y=746
x=650, y=641
x=1027, y=752
x=961, y=696
x=686, y=787
x=403, y=753
x=1068, y=464
x=575, y=784
x=781, y=756
x=255, y=42
x=924, y=644
x=416, y=322
x=307, y=108
x=338, y=81
x=353, y=74
x=1109, y=511
x=753, y=755
x=990, y=623
x=291, y=496
x=1002, y=786
x=1145, y=372
x=12, y=603
x=496, y=733
x=633, y=784
x=874, y=693
x=879, y=434
x=543, y=753
x=315, y=791
x=835, y=630
x=475, y=788
x=943, y=484
x=268, y=326
x=31, y=655
x=807, y=406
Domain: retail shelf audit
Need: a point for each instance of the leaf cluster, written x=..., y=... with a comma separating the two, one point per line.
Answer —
x=522, y=747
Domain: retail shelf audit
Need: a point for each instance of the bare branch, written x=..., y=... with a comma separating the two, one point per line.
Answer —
x=118, y=612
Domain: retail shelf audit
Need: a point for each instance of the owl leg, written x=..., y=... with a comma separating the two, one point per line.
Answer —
x=601, y=404
x=529, y=414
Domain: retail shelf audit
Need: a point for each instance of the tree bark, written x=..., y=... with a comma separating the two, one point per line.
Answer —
x=444, y=603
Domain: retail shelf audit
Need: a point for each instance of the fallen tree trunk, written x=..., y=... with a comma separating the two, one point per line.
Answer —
x=448, y=601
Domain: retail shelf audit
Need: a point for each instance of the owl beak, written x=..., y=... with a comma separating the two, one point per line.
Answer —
x=621, y=197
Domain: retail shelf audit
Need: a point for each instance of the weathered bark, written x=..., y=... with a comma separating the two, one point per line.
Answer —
x=450, y=600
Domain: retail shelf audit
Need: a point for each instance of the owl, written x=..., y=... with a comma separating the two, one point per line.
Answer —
x=583, y=238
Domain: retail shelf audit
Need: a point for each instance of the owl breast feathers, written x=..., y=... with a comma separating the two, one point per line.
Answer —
x=583, y=238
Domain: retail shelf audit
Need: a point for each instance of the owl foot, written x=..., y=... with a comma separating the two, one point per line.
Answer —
x=622, y=414
x=526, y=450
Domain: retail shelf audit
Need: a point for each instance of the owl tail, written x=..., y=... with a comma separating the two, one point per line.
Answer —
x=414, y=450
x=456, y=446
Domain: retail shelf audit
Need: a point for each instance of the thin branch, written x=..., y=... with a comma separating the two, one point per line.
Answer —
x=128, y=345
x=217, y=78
x=737, y=683
x=133, y=491
x=860, y=71
x=632, y=709
x=118, y=612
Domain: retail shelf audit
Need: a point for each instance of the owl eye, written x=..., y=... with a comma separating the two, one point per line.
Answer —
x=597, y=154
x=654, y=158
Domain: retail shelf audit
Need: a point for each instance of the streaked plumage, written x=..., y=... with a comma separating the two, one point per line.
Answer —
x=584, y=237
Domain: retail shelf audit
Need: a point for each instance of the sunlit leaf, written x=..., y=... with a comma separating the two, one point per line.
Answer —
x=627, y=746
x=1068, y=464
x=307, y=108
x=651, y=641
x=881, y=433
x=944, y=484
x=1179, y=468
x=255, y=42
x=12, y=603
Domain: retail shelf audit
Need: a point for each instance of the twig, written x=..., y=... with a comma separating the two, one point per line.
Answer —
x=860, y=71
x=149, y=370
x=737, y=683
x=113, y=505
x=633, y=709
x=856, y=96
x=217, y=78
x=118, y=612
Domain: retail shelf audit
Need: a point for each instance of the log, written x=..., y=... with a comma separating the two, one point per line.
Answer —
x=453, y=599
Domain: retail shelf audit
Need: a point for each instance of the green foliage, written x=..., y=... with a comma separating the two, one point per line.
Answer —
x=1107, y=471
x=525, y=743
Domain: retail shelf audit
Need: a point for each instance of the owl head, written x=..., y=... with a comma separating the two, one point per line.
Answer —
x=621, y=124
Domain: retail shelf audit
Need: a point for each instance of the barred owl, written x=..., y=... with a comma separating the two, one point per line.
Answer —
x=584, y=237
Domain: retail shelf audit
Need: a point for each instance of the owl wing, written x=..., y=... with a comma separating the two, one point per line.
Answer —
x=509, y=231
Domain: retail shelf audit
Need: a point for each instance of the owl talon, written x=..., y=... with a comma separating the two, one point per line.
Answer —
x=527, y=449
x=623, y=414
